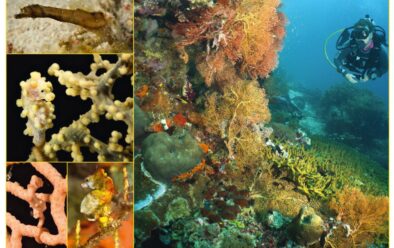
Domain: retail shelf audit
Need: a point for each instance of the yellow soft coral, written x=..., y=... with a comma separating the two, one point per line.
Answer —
x=242, y=104
x=264, y=30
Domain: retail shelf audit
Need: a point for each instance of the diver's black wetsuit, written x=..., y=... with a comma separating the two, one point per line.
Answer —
x=372, y=63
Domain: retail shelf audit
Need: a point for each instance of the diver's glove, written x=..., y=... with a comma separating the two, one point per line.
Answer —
x=351, y=78
x=366, y=78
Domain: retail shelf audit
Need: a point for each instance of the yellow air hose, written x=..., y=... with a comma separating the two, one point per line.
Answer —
x=325, y=47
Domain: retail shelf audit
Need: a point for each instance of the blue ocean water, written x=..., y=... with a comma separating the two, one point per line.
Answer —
x=309, y=25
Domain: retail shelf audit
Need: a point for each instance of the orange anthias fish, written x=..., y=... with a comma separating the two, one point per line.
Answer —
x=158, y=127
x=180, y=120
x=204, y=147
x=142, y=91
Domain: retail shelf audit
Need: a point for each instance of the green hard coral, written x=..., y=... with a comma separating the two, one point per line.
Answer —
x=304, y=170
x=177, y=209
x=327, y=167
x=166, y=156
x=352, y=167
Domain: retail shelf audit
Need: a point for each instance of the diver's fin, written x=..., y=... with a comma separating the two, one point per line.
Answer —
x=323, y=239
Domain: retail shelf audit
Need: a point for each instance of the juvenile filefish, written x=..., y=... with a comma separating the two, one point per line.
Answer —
x=89, y=20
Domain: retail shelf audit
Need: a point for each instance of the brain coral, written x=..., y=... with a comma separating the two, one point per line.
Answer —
x=166, y=156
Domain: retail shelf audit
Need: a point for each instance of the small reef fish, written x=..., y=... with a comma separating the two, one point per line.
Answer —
x=88, y=20
x=204, y=147
x=179, y=120
x=142, y=91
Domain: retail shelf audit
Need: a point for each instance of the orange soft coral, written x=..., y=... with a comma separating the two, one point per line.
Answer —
x=201, y=167
x=204, y=147
x=367, y=216
x=248, y=33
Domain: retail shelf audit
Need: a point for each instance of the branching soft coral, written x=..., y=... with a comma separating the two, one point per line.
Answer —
x=367, y=216
x=241, y=105
x=248, y=33
x=39, y=202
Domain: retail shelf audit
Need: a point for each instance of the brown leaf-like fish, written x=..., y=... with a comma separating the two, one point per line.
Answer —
x=89, y=20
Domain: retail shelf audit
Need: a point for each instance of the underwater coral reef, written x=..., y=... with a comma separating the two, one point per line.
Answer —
x=228, y=153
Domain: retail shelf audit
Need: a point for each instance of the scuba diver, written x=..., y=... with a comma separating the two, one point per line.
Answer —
x=362, y=52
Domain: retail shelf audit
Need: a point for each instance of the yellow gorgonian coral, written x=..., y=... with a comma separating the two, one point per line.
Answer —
x=242, y=104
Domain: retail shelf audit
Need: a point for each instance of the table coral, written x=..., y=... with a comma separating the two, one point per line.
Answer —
x=36, y=97
x=38, y=202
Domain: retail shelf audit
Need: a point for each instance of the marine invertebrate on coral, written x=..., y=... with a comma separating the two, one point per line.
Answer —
x=242, y=104
x=38, y=195
x=200, y=168
x=98, y=87
x=367, y=216
x=94, y=26
x=247, y=33
x=100, y=205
